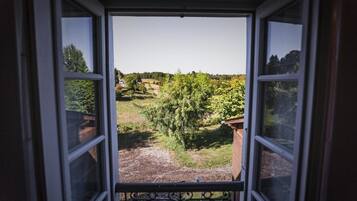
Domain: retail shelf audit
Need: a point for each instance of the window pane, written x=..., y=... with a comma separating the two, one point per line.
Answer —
x=279, y=112
x=80, y=111
x=284, y=35
x=274, y=176
x=85, y=176
x=77, y=38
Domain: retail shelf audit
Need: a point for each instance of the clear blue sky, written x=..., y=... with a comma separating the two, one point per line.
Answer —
x=169, y=44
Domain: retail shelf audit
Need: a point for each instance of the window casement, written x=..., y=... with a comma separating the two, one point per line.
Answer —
x=82, y=93
x=278, y=100
x=275, y=106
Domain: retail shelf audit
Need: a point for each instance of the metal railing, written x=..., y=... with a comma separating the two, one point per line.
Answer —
x=180, y=191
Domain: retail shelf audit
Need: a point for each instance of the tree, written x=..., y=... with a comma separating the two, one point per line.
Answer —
x=131, y=82
x=79, y=94
x=228, y=100
x=118, y=76
x=182, y=104
x=287, y=64
x=74, y=60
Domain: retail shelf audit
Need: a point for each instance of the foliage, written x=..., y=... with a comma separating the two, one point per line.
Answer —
x=141, y=87
x=74, y=60
x=160, y=76
x=225, y=77
x=131, y=82
x=281, y=97
x=182, y=104
x=119, y=91
x=228, y=100
x=280, y=105
x=118, y=75
x=211, y=147
x=79, y=94
x=287, y=64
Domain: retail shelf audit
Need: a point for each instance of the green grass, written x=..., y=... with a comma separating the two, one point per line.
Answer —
x=212, y=147
x=130, y=117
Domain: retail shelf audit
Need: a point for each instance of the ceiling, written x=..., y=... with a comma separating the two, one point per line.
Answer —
x=219, y=5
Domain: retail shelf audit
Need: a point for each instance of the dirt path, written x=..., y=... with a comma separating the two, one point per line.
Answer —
x=152, y=164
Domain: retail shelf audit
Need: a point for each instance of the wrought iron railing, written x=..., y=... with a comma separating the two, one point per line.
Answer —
x=180, y=191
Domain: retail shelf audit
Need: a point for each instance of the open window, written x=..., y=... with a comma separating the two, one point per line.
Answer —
x=83, y=99
x=278, y=95
x=180, y=91
x=274, y=107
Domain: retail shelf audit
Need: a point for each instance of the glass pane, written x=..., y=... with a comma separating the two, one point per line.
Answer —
x=80, y=103
x=85, y=176
x=274, y=176
x=284, y=35
x=77, y=38
x=279, y=112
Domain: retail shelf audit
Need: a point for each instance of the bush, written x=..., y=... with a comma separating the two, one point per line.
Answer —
x=141, y=88
x=228, y=101
x=182, y=104
x=132, y=81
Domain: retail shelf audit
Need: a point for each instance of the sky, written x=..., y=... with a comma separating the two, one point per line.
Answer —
x=78, y=31
x=282, y=38
x=170, y=44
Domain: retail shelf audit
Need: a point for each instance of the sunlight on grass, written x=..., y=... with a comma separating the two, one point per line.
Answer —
x=214, y=151
x=210, y=148
x=129, y=114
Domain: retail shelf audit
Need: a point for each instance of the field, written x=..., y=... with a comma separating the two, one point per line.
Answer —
x=147, y=155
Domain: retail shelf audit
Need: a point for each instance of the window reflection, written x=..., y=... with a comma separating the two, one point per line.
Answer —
x=80, y=111
x=77, y=38
x=85, y=176
x=274, y=176
x=279, y=112
x=284, y=35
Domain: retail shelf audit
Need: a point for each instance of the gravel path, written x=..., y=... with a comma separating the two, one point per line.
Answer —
x=152, y=164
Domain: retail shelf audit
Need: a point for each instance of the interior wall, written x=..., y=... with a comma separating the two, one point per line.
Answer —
x=12, y=165
x=341, y=177
x=333, y=157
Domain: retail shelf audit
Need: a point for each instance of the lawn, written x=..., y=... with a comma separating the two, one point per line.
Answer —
x=211, y=147
x=129, y=115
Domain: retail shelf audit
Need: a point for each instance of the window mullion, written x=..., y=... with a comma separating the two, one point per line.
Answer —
x=275, y=147
x=279, y=77
x=84, y=148
x=82, y=76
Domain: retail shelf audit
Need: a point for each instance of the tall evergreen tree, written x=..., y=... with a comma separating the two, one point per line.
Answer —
x=79, y=94
x=74, y=60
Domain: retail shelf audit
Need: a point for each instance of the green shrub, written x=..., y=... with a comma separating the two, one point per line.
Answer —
x=182, y=104
x=228, y=101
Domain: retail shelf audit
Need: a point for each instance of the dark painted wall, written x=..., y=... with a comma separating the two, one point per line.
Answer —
x=12, y=168
x=333, y=168
x=342, y=174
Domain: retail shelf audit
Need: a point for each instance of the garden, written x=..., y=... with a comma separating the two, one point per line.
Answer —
x=172, y=130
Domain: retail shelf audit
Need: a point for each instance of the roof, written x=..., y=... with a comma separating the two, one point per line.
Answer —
x=234, y=121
